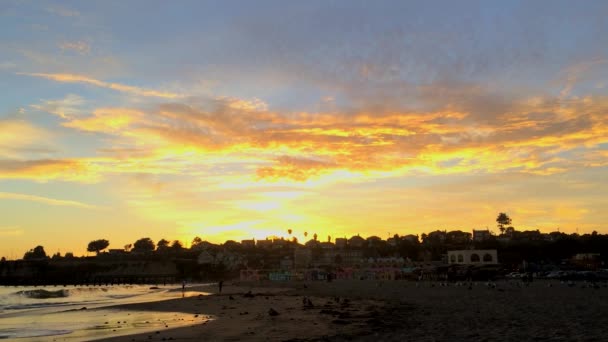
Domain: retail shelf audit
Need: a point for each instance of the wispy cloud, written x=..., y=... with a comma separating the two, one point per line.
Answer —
x=578, y=73
x=65, y=108
x=7, y=65
x=80, y=47
x=19, y=136
x=63, y=11
x=11, y=231
x=47, y=200
x=48, y=169
x=72, y=78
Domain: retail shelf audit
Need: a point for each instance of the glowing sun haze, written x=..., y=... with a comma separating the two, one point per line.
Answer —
x=239, y=119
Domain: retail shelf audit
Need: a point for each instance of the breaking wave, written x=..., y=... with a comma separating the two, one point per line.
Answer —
x=44, y=294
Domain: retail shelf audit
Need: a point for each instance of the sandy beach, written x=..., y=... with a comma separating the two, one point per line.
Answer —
x=386, y=311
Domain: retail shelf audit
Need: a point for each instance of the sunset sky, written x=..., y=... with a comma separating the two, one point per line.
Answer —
x=242, y=119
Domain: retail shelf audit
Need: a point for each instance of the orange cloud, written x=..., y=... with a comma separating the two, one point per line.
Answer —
x=106, y=120
x=529, y=137
x=71, y=78
x=46, y=169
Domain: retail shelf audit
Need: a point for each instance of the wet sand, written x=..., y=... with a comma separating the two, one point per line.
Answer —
x=388, y=311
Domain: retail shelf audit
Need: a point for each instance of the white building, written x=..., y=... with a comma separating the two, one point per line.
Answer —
x=473, y=257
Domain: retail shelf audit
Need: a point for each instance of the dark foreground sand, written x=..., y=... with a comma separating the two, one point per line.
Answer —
x=389, y=311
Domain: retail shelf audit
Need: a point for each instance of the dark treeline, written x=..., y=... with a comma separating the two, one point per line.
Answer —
x=513, y=246
x=204, y=260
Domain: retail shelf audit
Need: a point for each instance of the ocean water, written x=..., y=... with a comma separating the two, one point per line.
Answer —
x=84, y=313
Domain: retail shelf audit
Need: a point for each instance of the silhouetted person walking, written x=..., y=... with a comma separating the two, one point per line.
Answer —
x=220, y=284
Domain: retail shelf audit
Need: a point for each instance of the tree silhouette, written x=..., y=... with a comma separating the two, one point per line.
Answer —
x=177, y=246
x=314, y=236
x=328, y=238
x=503, y=220
x=98, y=245
x=36, y=253
x=289, y=231
x=128, y=247
x=162, y=245
x=196, y=242
x=305, y=235
x=143, y=245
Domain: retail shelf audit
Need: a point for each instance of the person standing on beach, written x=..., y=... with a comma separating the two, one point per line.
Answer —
x=183, y=288
x=220, y=284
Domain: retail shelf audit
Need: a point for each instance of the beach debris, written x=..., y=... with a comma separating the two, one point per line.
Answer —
x=83, y=308
x=230, y=297
x=307, y=302
x=273, y=312
x=248, y=294
x=195, y=315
